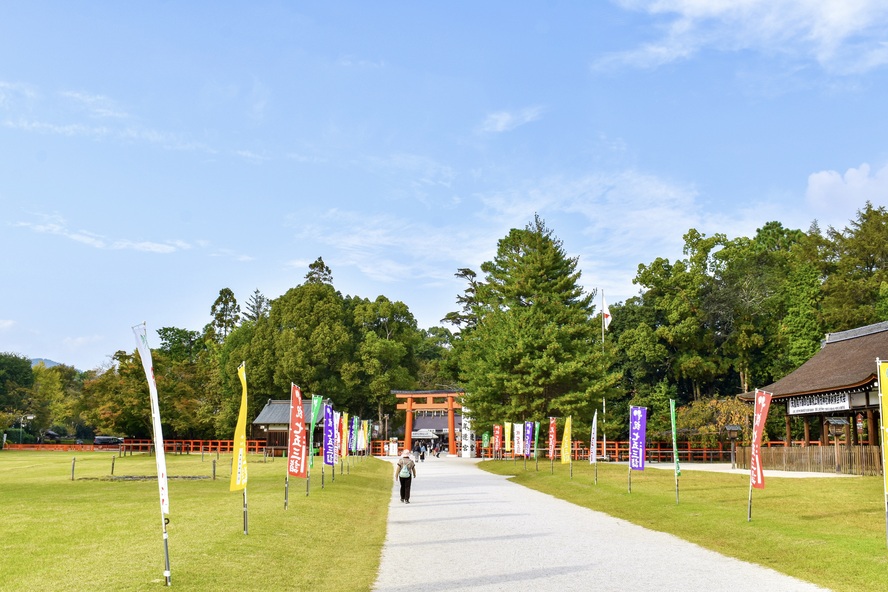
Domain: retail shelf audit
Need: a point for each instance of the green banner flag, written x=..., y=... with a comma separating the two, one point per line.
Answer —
x=316, y=402
x=674, y=437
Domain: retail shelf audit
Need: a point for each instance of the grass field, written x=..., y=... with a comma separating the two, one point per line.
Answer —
x=94, y=533
x=827, y=531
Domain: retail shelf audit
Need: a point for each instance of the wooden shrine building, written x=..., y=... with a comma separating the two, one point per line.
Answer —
x=273, y=423
x=838, y=386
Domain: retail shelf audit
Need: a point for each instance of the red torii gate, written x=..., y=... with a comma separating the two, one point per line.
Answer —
x=428, y=404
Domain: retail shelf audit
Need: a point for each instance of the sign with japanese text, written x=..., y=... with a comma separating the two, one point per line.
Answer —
x=637, y=437
x=296, y=460
x=762, y=404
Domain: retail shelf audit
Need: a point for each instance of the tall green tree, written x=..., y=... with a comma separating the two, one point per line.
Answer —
x=16, y=379
x=533, y=350
x=686, y=343
x=385, y=358
x=256, y=307
x=860, y=258
x=226, y=314
x=307, y=338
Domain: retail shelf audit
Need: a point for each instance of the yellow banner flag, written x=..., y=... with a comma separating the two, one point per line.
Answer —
x=508, y=425
x=239, y=460
x=883, y=407
x=566, y=445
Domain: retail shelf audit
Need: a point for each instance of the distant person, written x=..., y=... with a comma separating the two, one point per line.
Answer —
x=405, y=471
x=422, y=451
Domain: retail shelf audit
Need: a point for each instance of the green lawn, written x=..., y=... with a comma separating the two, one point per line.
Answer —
x=827, y=531
x=94, y=533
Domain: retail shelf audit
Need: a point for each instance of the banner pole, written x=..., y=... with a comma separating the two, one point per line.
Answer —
x=630, y=478
x=749, y=506
x=246, y=530
x=287, y=492
x=166, y=553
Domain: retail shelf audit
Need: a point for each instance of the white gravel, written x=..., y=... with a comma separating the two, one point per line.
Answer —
x=466, y=529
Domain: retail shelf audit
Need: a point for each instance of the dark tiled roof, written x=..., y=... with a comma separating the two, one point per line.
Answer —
x=278, y=412
x=846, y=362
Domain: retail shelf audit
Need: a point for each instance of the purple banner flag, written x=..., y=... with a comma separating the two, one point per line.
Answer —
x=329, y=436
x=528, y=438
x=637, y=437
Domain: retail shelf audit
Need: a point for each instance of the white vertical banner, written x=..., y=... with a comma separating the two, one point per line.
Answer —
x=518, y=432
x=148, y=365
x=593, y=443
x=140, y=332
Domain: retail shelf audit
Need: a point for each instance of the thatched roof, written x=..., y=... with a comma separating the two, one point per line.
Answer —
x=846, y=363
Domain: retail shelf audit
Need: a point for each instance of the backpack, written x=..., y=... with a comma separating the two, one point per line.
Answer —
x=405, y=471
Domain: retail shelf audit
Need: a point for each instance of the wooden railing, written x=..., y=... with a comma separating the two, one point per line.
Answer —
x=851, y=460
x=845, y=460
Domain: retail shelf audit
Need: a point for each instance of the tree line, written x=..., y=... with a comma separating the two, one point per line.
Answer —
x=526, y=342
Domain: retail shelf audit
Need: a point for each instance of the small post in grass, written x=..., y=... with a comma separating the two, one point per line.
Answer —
x=73, y=462
x=112, y=464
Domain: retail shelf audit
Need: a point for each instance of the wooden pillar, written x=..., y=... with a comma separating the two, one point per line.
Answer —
x=408, y=429
x=855, y=433
x=807, y=422
x=824, y=431
x=788, y=442
x=451, y=427
x=871, y=428
x=848, y=430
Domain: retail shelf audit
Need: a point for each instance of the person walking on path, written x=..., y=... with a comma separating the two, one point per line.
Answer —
x=405, y=471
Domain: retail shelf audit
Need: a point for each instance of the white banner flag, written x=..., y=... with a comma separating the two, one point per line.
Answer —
x=148, y=365
x=593, y=447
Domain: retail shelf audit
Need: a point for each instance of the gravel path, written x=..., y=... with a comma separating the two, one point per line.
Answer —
x=466, y=529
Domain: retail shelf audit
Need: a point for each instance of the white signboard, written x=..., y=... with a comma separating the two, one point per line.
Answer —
x=467, y=438
x=818, y=403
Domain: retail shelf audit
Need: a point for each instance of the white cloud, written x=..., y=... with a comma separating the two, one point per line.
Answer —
x=831, y=194
x=6, y=324
x=13, y=92
x=388, y=248
x=251, y=156
x=95, y=105
x=58, y=226
x=69, y=129
x=843, y=36
x=422, y=171
x=504, y=121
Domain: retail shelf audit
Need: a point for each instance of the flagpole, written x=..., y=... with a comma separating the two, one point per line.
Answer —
x=749, y=506
x=602, y=320
x=246, y=530
x=166, y=551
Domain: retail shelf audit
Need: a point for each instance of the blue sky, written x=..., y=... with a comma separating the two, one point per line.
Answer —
x=152, y=154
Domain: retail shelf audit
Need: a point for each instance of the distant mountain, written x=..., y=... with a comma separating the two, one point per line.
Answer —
x=47, y=363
